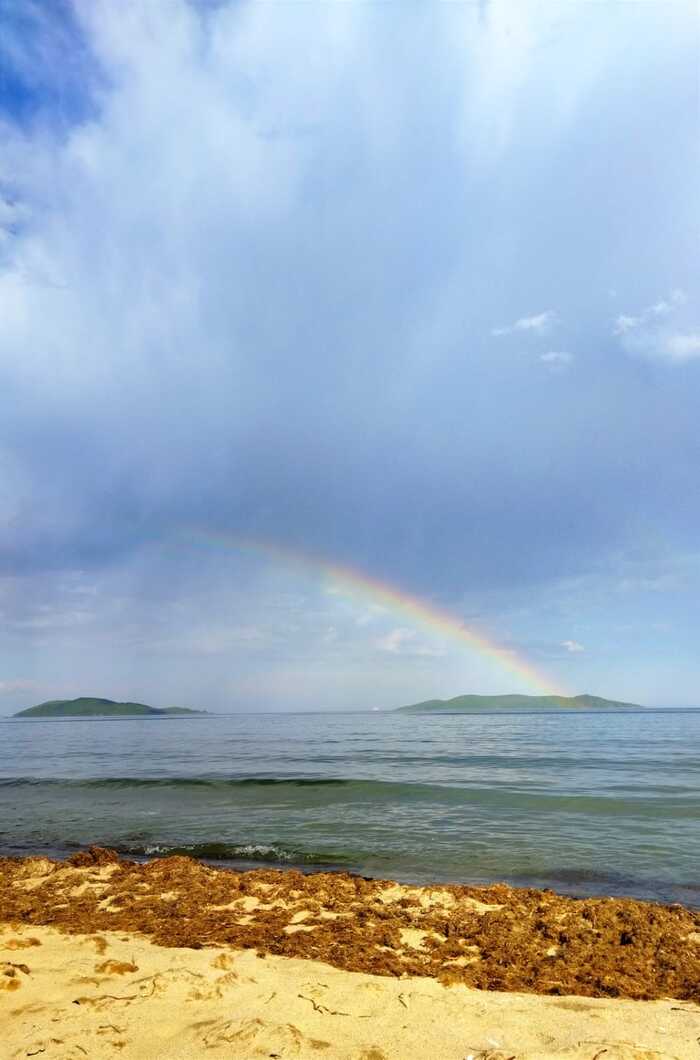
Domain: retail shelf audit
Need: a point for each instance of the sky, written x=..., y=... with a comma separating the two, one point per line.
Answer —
x=349, y=352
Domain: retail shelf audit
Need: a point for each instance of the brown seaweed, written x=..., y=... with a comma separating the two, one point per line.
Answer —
x=492, y=938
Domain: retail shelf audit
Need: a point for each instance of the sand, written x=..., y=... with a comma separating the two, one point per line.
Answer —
x=105, y=958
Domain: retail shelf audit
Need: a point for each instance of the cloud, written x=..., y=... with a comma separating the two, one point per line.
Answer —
x=402, y=641
x=9, y=688
x=681, y=347
x=538, y=324
x=238, y=293
x=624, y=324
x=572, y=646
x=49, y=618
x=557, y=361
x=192, y=326
x=215, y=641
x=370, y=614
x=651, y=333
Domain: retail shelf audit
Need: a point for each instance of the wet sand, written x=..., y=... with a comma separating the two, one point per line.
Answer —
x=104, y=957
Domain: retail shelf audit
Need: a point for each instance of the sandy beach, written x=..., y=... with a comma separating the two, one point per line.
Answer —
x=105, y=957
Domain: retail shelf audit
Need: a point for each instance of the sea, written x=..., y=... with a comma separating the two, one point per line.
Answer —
x=589, y=803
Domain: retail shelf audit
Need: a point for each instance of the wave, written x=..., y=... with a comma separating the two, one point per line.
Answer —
x=274, y=853
x=174, y=782
x=298, y=791
x=579, y=881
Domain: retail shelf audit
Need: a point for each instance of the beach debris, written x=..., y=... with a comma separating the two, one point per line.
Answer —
x=116, y=967
x=490, y=1054
x=491, y=938
x=323, y=1008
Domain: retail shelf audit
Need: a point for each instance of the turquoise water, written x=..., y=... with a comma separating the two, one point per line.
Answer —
x=587, y=803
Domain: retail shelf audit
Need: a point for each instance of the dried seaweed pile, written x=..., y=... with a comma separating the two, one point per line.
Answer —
x=493, y=938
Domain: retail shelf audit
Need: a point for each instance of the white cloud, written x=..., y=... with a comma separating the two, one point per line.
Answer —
x=402, y=641
x=371, y=614
x=48, y=618
x=557, y=360
x=214, y=641
x=394, y=641
x=8, y=688
x=649, y=334
x=538, y=323
x=682, y=347
x=625, y=323
x=572, y=646
x=663, y=308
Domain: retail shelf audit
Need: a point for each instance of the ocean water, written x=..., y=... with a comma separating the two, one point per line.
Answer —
x=585, y=803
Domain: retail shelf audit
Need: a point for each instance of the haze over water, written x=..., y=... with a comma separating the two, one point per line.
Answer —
x=588, y=803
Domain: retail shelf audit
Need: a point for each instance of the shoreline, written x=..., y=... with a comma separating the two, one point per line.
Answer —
x=579, y=886
x=104, y=956
x=492, y=937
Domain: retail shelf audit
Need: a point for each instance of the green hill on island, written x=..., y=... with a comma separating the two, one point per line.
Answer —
x=474, y=704
x=92, y=707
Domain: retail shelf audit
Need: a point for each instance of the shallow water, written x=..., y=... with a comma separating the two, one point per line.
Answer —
x=588, y=803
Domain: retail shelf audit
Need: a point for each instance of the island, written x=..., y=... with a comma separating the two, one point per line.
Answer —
x=92, y=707
x=477, y=704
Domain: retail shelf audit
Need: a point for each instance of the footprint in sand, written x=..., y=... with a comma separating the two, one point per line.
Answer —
x=262, y=1038
x=53, y=1048
x=224, y=961
x=583, y=1051
x=19, y=944
x=11, y=975
x=615, y=1051
x=116, y=967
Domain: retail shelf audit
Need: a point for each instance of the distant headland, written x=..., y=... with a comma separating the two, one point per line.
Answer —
x=476, y=704
x=92, y=707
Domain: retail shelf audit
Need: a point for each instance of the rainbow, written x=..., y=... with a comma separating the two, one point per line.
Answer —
x=429, y=616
